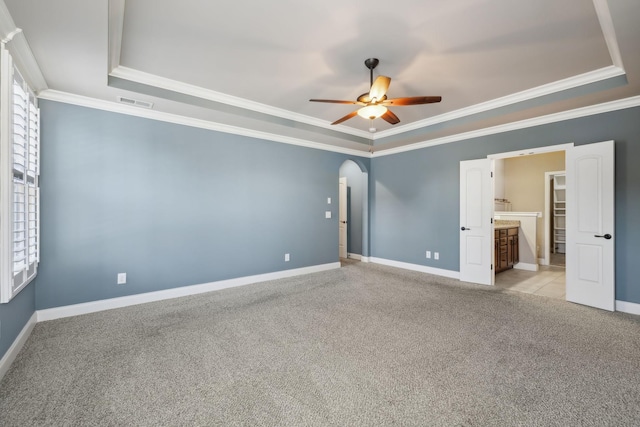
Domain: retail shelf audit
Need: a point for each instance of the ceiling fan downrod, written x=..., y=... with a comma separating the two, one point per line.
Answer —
x=371, y=63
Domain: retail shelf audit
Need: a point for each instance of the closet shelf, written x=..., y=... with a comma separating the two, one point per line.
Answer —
x=559, y=212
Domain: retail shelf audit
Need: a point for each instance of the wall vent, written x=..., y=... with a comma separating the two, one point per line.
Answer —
x=135, y=102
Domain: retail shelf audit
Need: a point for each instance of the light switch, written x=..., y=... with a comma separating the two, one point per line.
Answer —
x=328, y=200
x=327, y=214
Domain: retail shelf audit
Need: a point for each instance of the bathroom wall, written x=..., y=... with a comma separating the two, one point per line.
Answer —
x=524, y=186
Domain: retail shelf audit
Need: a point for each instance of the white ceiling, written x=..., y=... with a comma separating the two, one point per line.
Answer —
x=252, y=66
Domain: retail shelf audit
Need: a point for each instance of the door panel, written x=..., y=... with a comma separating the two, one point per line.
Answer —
x=590, y=225
x=476, y=228
x=342, y=218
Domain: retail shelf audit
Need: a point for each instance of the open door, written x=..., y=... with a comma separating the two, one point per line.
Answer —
x=590, y=222
x=342, y=218
x=476, y=226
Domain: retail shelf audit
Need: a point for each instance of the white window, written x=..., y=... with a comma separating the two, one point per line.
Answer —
x=19, y=190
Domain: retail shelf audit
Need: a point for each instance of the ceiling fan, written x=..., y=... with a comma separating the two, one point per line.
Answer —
x=375, y=103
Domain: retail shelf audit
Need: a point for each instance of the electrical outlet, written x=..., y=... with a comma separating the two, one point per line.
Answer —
x=428, y=254
x=286, y=257
x=327, y=214
x=122, y=278
x=436, y=255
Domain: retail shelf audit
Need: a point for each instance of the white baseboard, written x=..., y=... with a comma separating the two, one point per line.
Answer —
x=10, y=355
x=111, y=303
x=628, y=307
x=417, y=267
x=542, y=261
x=358, y=257
x=525, y=266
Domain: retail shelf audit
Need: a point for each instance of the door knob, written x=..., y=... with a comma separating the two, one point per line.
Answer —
x=606, y=236
x=463, y=229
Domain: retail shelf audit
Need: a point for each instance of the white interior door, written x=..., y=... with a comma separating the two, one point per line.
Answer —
x=590, y=221
x=342, y=217
x=476, y=227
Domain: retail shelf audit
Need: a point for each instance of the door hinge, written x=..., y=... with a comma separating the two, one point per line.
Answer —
x=491, y=220
x=491, y=174
x=492, y=266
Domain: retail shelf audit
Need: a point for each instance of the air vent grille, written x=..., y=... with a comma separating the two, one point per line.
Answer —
x=135, y=102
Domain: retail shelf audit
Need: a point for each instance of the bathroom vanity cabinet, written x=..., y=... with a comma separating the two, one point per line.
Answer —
x=506, y=248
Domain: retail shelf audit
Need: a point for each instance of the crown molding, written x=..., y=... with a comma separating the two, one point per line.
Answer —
x=7, y=26
x=83, y=101
x=116, y=20
x=525, y=95
x=68, y=98
x=16, y=43
x=141, y=77
x=608, y=31
x=116, y=26
x=537, y=121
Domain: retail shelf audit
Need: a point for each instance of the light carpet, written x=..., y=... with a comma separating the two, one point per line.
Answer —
x=361, y=345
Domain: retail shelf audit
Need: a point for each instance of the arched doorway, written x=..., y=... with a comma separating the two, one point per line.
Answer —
x=353, y=209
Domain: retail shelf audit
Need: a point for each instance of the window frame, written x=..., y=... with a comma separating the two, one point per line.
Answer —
x=12, y=282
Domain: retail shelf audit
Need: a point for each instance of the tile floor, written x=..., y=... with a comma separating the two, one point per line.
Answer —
x=548, y=281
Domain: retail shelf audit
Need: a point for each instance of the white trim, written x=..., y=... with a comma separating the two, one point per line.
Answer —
x=416, y=267
x=18, y=343
x=628, y=307
x=141, y=77
x=17, y=44
x=591, y=110
x=530, y=151
x=116, y=26
x=126, y=301
x=357, y=257
x=514, y=98
x=364, y=259
x=68, y=98
x=7, y=26
x=542, y=261
x=525, y=266
x=498, y=214
x=116, y=107
x=116, y=18
x=608, y=31
x=6, y=179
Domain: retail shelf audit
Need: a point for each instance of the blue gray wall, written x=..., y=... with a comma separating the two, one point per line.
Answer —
x=172, y=205
x=354, y=175
x=414, y=196
x=15, y=315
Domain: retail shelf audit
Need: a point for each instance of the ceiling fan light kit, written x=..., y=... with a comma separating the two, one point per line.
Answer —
x=374, y=104
x=372, y=111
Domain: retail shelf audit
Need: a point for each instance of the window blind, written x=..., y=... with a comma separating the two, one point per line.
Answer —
x=20, y=148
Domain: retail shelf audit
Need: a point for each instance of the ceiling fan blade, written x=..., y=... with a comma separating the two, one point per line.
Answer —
x=335, y=101
x=414, y=100
x=345, y=118
x=379, y=87
x=389, y=117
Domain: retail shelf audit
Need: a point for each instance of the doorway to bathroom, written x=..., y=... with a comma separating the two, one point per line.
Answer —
x=590, y=249
x=530, y=191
